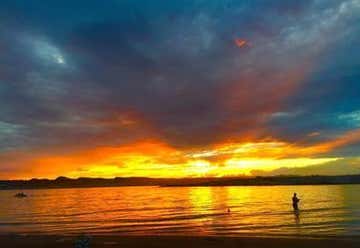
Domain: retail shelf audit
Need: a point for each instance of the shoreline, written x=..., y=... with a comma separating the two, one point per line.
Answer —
x=64, y=182
x=175, y=186
x=111, y=240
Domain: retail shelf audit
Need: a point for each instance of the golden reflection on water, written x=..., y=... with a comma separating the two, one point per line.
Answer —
x=184, y=210
x=201, y=198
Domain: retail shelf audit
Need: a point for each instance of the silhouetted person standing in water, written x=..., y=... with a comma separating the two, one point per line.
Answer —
x=295, y=201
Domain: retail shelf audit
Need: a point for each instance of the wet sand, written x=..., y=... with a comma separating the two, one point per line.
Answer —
x=173, y=241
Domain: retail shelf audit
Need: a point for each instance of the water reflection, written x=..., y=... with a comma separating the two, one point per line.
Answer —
x=201, y=198
x=189, y=210
x=297, y=217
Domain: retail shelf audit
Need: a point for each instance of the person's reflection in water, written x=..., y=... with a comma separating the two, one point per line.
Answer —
x=297, y=217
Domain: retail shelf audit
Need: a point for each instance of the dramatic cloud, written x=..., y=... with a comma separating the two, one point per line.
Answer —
x=197, y=79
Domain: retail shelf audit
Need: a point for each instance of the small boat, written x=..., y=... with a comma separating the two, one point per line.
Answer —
x=20, y=195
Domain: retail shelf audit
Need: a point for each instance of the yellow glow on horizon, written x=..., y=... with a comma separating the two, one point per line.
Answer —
x=199, y=167
x=159, y=160
x=149, y=167
x=251, y=164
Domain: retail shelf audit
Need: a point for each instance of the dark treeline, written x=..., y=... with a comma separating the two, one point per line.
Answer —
x=63, y=182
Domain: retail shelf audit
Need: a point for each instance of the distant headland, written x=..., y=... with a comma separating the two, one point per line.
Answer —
x=64, y=182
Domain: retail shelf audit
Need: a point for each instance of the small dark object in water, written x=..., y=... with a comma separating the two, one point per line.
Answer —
x=20, y=195
x=228, y=210
x=82, y=242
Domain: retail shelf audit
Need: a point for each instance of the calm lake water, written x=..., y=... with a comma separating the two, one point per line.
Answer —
x=258, y=210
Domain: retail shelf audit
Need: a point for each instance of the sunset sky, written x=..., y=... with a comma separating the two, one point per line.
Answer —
x=180, y=88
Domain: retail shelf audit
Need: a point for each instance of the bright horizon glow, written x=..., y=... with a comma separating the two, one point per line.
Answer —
x=158, y=160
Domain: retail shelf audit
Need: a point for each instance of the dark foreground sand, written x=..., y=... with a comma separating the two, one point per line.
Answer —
x=174, y=242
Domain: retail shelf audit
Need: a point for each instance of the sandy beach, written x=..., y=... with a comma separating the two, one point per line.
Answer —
x=173, y=241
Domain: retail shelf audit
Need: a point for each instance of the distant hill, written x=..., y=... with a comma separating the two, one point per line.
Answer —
x=64, y=182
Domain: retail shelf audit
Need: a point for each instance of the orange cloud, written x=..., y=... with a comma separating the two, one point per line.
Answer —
x=153, y=158
x=348, y=138
x=241, y=42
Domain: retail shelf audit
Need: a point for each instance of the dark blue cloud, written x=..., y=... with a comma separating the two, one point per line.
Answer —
x=67, y=64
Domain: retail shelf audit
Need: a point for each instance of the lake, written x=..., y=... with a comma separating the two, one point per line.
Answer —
x=254, y=210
